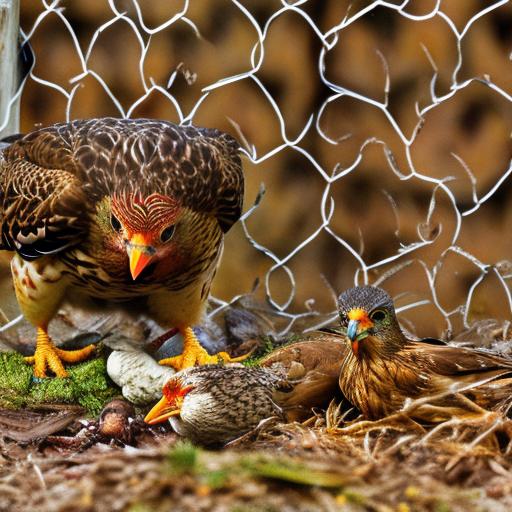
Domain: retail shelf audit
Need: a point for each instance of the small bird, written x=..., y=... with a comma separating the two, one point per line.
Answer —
x=383, y=368
x=215, y=404
x=123, y=213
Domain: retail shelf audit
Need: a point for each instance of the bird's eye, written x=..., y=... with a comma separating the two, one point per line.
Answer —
x=114, y=222
x=167, y=233
x=378, y=315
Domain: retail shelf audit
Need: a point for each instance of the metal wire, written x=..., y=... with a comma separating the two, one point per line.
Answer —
x=328, y=39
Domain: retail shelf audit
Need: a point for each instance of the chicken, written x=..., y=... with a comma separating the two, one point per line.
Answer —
x=118, y=213
x=215, y=404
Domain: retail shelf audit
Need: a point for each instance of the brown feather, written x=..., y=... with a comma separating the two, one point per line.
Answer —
x=200, y=167
x=389, y=369
x=313, y=367
x=59, y=189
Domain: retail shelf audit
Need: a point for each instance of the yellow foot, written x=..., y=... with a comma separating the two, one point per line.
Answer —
x=194, y=354
x=196, y=358
x=48, y=356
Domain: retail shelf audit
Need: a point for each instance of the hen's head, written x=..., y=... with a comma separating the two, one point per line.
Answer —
x=174, y=393
x=142, y=227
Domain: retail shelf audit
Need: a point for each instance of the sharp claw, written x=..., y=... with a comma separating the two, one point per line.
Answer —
x=194, y=354
x=181, y=362
x=228, y=359
x=47, y=356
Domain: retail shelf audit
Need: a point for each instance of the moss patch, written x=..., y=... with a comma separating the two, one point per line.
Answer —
x=268, y=345
x=15, y=380
x=87, y=385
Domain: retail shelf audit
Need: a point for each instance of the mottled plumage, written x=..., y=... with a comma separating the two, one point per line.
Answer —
x=123, y=211
x=384, y=368
x=214, y=404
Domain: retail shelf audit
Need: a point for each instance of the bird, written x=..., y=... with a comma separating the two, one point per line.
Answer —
x=383, y=369
x=312, y=365
x=118, y=213
x=215, y=404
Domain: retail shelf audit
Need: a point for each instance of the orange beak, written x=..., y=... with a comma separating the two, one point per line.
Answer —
x=140, y=253
x=359, y=323
x=162, y=411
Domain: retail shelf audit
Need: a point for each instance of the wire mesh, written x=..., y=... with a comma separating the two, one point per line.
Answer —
x=451, y=198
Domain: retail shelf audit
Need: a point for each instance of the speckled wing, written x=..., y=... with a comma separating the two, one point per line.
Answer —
x=42, y=205
x=199, y=167
x=50, y=176
x=212, y=175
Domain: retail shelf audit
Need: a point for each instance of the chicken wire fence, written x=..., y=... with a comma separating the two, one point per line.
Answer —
x=398, y=157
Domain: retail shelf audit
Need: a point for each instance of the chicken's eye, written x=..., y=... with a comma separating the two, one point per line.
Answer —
x=167, y=233
x=378, y=315
x=114, y=222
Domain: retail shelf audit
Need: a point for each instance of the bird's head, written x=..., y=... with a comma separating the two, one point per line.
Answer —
x=174, y=393
x=144, y=227
x=368, y=318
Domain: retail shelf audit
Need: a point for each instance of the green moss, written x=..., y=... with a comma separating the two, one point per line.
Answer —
x=87, y=385
x=52, y=390
x=269, y=344
x=15, y=374
x=291, y=471
x=183, y=458
x=15, y=380
x=92, y=388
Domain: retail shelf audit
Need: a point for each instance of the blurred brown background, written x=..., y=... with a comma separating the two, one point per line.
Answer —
x=375, y=211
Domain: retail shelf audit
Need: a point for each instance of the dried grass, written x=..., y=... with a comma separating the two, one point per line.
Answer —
x=324, y=465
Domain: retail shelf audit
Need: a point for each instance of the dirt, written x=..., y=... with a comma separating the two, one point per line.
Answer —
x=324, y=464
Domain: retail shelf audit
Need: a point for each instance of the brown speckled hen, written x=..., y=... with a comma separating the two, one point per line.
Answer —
x=383, y=368
x=214, y=404
x=124, y=212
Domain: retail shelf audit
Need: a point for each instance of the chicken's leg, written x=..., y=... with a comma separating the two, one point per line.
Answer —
x=47, y=355
x=194, y=354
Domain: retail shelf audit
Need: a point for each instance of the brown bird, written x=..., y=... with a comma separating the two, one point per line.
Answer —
x=128, y=213
x=313, y=367
x=383, y=368
x=216, y=404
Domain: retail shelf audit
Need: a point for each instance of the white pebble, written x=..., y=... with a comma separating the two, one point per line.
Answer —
x=138, y=375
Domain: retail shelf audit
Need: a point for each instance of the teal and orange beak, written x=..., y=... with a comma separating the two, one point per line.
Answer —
x=358, y=326
x=140, y=253
x=162, y=411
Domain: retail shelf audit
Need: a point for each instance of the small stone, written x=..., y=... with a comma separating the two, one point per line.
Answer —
x=138, y=375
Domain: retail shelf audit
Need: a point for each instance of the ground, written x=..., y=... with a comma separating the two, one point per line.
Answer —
x=65, y=445
x=291, y=467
